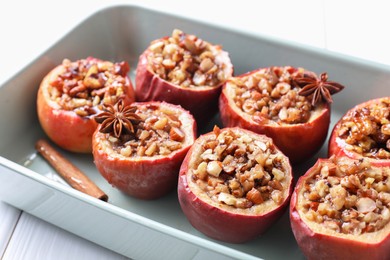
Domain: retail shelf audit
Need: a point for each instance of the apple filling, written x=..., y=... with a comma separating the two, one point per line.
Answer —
x=238, y=170
x=270, y=95
x=188, y=61
x=159, y=132
x=85, y=85
x=367, y=130
x=347, y=196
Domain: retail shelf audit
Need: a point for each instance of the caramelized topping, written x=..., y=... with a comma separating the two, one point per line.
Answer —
x=367, y=130
x=240, y=171
x=146, y=130
x=269, y=95
x=187, y=61
x=319, y=90
x=86, y=85
x=281, y=94
x=348, y=196
x=118, y=119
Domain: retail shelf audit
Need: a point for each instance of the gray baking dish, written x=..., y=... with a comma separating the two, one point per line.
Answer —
x=151, y=229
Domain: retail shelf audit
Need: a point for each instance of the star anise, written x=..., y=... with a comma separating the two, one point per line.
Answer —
x=320, y=89
x=118, y=119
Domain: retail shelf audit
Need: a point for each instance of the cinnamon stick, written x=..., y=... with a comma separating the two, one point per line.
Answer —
x=72, y=175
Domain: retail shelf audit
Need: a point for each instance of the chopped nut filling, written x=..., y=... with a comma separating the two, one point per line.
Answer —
x=187, y=61
x=367, y=130
x=159, y=133
x=270, y=94
x=240, y=171
x=348, y=196
x=85, y=85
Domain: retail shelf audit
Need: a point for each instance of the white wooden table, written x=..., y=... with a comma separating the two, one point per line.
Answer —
x=29, y=27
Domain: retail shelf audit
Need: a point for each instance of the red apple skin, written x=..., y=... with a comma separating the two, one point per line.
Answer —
x=65, y=128
x=298, y=141
x=336, y=145
x=220, y=224
x=202, y=102
x=145, y=178
x=321, y=246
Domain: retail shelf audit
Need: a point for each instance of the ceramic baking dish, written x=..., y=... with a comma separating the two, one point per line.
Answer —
x=150, y=229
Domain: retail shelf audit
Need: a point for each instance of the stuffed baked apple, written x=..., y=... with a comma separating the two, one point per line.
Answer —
x=290, y=105
x=340, y=209
x=139, y=148
x=185, y=70
x=72, y=93
x=234, y=184
x=364, y=131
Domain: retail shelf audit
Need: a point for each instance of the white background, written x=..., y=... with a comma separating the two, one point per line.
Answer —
x=27, y=28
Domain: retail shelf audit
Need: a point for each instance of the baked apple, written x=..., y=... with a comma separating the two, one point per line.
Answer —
x=139, y=148
x=364, y=131
x=185, y=70
x=72, y=93
x=290, y=105
x=340, y=209
x=234, y=184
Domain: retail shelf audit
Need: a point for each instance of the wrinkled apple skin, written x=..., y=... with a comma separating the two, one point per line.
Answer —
x=202, y=102
x=323, y=247
x=142, y=177
x=336, y=145
x=220, y=224
x=65, y=128
x=298, y=141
